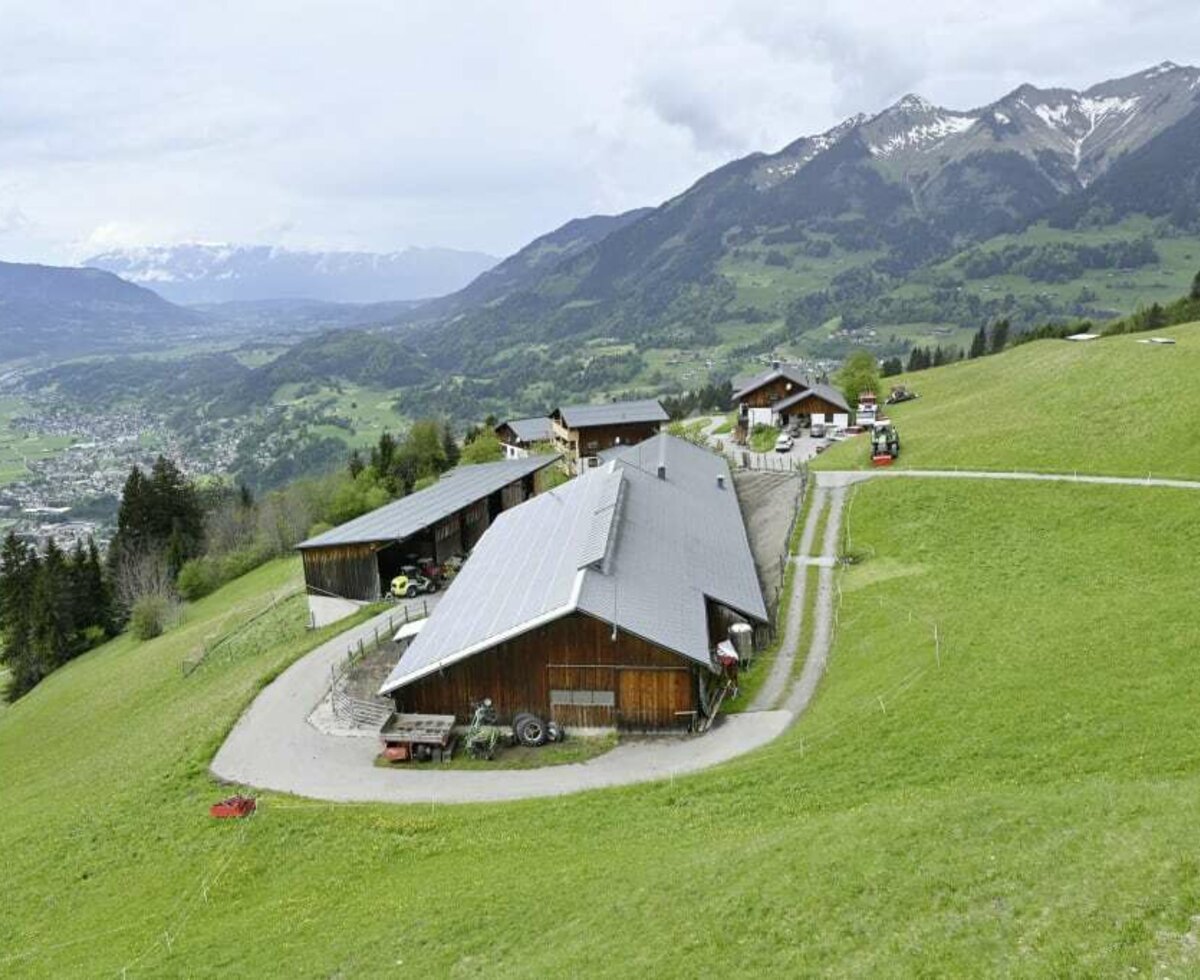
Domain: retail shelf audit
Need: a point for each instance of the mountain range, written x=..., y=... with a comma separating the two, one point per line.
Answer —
x=203, y=273
x=916, y=222
x=873, y=221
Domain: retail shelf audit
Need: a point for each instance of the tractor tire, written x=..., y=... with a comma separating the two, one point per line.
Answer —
x=410, y=592
x=555, y=732
x=530, y=730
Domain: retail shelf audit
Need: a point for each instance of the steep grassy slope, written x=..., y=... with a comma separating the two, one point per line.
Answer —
x=1112, y=406
x=1024, y=808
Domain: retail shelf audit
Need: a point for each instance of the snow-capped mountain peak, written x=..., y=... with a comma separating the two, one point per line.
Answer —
x=1086, y=130
x=219, y=272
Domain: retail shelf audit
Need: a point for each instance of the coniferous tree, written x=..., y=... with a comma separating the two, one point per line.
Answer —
x=51, y=626
x=1195, y=293
x=979, y=344
x=450, y=446
x=18, y=566
x=999, y=336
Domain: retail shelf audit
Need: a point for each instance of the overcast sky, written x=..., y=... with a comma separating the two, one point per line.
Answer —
x=469, y=125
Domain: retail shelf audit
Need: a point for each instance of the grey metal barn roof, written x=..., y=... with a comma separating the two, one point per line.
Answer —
x=457, y=489
x=614, y=413
x=790, y=371
x=531, y=429
x=825, y=392
x=617, y=543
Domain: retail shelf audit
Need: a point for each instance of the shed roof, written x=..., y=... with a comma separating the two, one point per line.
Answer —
x=457, y=489
x=613, y=413
x=791, y=372
x=825, y=392
x=531, y=429
x=617, y=543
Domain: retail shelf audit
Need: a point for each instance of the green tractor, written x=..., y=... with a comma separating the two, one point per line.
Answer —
x=885, y=443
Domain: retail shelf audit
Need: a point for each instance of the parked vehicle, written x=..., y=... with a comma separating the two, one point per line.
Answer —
x=784, y=443
x=818, y=430
x=482, y=736
x=885, y=443
x=410, y=583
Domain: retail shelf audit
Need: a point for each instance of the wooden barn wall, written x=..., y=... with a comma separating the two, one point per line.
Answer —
x=596, y=438
x=650, y=686
x=815, y=403
x=350, y=571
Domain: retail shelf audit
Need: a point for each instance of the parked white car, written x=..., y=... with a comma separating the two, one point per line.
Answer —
x=784, y=444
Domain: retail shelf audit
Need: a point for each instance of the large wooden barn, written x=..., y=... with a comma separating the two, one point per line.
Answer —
x=784, y=395
x=597, y=604
x=583, y=432
x=353, y=562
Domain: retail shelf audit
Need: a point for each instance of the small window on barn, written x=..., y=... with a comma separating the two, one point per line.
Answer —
x=589, y=699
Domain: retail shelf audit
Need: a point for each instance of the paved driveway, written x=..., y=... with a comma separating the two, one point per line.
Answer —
x=274, y=747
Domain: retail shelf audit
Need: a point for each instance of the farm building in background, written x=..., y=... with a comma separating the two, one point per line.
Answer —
x=353, y=563
x=519, y=436
x=582, y=432
x=784, y=395
x=599, y=603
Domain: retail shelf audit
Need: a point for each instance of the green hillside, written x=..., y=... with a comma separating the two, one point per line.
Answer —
x=1112, y=406
x=1025, y=807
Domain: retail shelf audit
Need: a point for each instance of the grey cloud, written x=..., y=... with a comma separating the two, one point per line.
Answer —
x=477, y=125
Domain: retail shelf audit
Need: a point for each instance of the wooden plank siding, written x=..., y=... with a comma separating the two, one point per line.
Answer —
x=814, y=404
x=348, y=570
x=651, y=688
x=575, y=444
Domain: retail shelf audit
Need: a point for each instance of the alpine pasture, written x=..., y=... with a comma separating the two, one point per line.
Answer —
x=999, y=774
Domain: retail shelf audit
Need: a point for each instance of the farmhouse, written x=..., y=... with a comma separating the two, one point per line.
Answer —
x=582, y=432
x=356, y=560
x=783, y=396
x=518, y=436
x=599, y=603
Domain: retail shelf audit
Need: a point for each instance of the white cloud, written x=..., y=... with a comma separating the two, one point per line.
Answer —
x=377, y=125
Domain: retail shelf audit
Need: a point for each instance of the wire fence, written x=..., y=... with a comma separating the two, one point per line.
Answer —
x=213, y=642
x=358, y=712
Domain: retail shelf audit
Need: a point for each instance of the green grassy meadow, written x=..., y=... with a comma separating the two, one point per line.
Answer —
x=1111, y=406
x=1025, y=808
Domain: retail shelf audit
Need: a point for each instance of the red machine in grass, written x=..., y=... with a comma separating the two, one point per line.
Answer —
x=233, y=807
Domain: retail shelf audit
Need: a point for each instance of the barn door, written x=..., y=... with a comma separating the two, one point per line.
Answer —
x=654, y=698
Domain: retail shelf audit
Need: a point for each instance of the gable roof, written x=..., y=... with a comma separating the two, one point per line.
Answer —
x=617, y=543
x=613, y=413
x=535, y=429
x=825, y=392
x=791, y=372
x=457, y=489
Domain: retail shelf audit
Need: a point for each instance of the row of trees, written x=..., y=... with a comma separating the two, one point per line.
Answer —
x=53, y=607
x=991, y=341
x=713, y=397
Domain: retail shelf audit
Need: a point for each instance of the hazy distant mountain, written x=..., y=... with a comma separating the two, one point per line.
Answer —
x=198, y=273
x=836, y=224
x=51, y=310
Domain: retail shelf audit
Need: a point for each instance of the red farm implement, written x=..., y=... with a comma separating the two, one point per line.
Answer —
x=233, y=807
